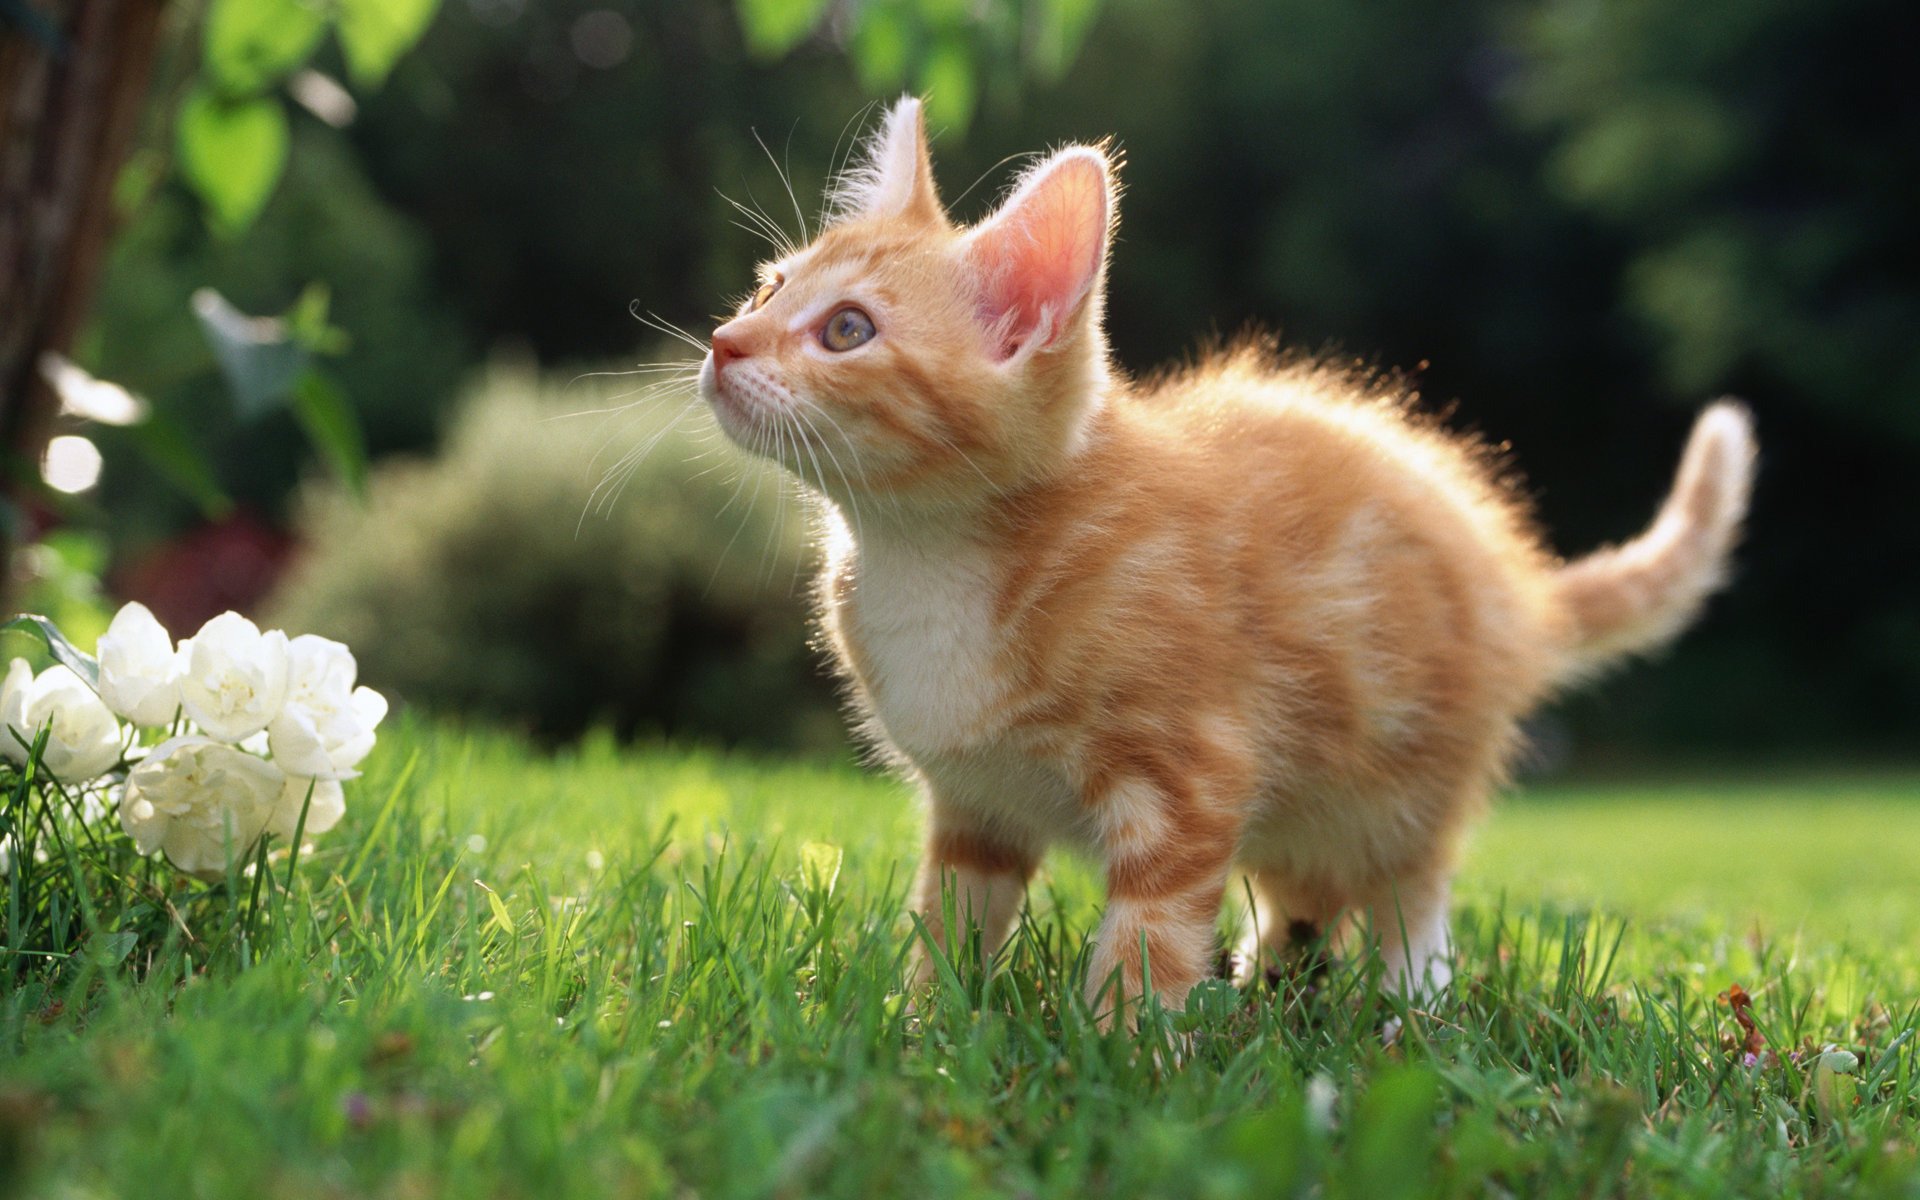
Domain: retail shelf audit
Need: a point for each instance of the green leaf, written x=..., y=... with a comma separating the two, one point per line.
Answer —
x=1063, y=29
x=112, y=948
x=1276, y=1147
x=253, y=44
x=258, y=356
x=1210, y=1004
x=881, y=47
x=375, y=33
x=773, y=27
x=333, y=428
x=232, y=153
x=1390, y=1143
x=180, y=461
x=307, y=321
x=64, y=652
x=947, y=81
x=1835, y=1090
x=501, y=916
x=820, y=866
x=945, y=14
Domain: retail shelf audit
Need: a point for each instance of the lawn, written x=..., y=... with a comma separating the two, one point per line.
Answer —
x=670, y=972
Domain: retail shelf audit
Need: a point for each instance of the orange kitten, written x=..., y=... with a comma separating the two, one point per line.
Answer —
x=1251, y=613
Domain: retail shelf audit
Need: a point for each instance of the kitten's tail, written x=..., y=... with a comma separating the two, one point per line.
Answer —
x=1636, y=597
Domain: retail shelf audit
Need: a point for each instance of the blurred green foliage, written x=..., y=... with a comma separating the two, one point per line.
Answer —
x=58, y=577
x=527, y=575
x=948, y=51
x=232, y=127
x=1579, y=221
x=407, y=351
x=232, y=152
x=232, y=140
x=1745, y=149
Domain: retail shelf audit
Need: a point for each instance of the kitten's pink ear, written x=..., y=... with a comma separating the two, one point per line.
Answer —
x=1039, y=259
x=895, y=176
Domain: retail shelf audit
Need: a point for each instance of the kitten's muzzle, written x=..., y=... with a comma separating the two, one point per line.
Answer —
x=726, y=349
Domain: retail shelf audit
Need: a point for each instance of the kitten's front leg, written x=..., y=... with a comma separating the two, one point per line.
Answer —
x=1168, y=856
x=987, y=873
x=1410, y=921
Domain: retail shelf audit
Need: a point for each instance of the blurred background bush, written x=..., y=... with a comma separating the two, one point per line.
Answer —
x=499, y=578
x=1576, y=220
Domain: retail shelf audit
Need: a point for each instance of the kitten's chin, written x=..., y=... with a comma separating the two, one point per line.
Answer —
x=732, y=413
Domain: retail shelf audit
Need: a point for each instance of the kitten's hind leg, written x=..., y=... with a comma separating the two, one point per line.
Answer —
x=1287, y=936
x=1168, y=853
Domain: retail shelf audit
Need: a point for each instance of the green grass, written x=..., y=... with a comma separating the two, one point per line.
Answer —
x=608, y=973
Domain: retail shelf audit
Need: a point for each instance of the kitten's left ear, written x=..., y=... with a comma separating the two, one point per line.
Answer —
x=896, y=177
x=1039, y=261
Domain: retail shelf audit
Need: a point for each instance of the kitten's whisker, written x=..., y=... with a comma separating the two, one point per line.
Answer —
x=809, y=443
x=853, y=497
x=612, y=435
x=853, y=451
x=948, y=442
x=758, y=450
x=779, y=456
x=789, y=243
x=762, y=235
x=606, y=492
x=636, y=461
x=612, y=420
x=740, y=484
x=710, y=470
x=990, y=170
x=653, y=391
x=763, y=226
x=776, y=242
x=639, y=369
x=600, y=499
x=838, y=163
x=683, y=374
x=786, y=181
x=656, y=321
x=772, y=547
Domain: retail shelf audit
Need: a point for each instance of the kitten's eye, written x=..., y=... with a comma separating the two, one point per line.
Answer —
x=847, y=328
x=765, y=293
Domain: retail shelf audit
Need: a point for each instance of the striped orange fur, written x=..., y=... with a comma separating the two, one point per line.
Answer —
x=1252, y=614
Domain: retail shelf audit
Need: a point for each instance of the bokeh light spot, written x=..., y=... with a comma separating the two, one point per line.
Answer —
x=71, y=465
x=602, y=39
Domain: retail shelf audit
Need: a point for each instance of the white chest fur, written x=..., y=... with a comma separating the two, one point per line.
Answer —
x=918, y=616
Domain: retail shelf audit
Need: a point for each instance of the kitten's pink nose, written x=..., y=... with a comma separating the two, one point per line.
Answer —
x=725, y=350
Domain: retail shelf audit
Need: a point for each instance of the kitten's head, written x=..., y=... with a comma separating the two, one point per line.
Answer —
x=903, y=355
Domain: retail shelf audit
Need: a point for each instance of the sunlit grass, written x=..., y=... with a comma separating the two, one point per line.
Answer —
x=609, y=973
x=1831, y=859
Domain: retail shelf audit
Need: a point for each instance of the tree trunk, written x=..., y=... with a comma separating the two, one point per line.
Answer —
x=68, y=112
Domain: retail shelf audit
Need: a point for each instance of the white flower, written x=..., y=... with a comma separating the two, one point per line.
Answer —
x=327, y=725
x=233, y=678
x=198, y=801
x=84, y=739
x=329, y=805
x=139, y=673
